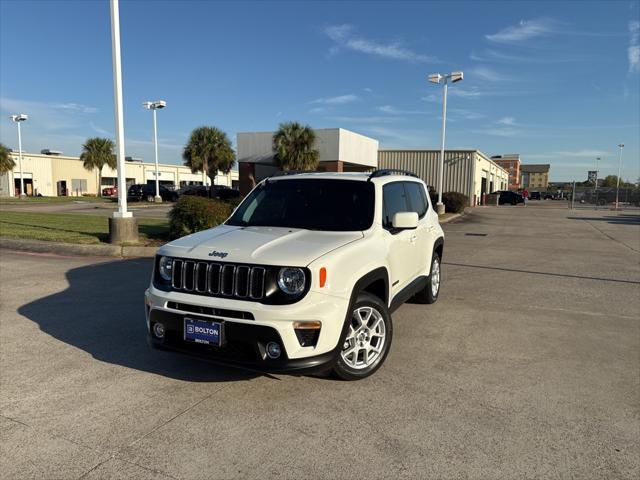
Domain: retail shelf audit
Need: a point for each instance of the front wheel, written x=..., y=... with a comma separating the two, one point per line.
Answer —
x=368, y=339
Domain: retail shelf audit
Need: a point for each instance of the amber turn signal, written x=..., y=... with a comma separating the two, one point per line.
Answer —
x=323, y=277
x=307, y=325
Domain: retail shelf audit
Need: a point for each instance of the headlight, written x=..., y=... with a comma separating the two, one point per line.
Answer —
x=291, y=280
x=165, y=268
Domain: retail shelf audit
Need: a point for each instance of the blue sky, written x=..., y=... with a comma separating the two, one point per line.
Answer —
x=556, y=82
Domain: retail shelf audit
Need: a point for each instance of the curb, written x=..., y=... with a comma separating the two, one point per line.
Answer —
x=40, y=246
x=451, y=218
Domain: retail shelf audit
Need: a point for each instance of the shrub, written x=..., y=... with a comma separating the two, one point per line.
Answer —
x=191, y=214
x=454, y=202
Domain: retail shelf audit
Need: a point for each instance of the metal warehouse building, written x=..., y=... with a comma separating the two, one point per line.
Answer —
x=54, y=175
x=469, y=172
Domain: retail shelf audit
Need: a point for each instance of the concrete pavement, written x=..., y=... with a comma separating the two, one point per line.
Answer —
x=528, y=366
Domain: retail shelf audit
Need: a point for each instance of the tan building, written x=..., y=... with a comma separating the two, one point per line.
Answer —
x=339, y=150
x=511, y=163
x=54, y=175
x=469, y=172
x=535, y=176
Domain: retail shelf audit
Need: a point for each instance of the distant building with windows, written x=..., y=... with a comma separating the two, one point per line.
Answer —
x=52, y=174
x=511, y=163
x=535, y=176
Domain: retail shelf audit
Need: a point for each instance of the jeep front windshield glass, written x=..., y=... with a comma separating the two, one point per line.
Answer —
x=311, y=204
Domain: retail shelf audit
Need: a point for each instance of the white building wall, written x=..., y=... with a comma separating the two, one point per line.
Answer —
x=358, y=149
x=47, y=170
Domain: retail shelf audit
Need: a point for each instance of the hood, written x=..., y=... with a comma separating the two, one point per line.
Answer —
x=259, y=245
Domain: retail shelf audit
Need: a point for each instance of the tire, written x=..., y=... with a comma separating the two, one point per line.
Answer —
x=150, y=198
x=368, y=339
x=429, y=294
x=514, y=202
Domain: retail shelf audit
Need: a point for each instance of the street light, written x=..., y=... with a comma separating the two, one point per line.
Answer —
x=157, y=105
x=452, y=77
x=21, y=117
x=620, y=146
x=123, y=226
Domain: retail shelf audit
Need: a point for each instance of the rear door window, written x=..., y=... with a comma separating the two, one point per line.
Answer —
x=417, y=198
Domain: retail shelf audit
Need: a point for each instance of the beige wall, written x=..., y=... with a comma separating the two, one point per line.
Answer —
x=463, y=169
x=47, y=170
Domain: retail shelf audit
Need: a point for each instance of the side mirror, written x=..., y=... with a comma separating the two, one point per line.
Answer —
x=405, y=220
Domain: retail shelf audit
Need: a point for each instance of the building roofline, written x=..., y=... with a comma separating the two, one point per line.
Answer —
x=69, y=157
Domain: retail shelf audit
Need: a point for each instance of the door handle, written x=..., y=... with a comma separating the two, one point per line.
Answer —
x=413, y=238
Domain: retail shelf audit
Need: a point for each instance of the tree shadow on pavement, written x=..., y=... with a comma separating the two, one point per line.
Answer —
x=102, y=313
x=623, y=219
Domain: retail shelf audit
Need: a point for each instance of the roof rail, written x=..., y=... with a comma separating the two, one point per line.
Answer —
x=391, y=171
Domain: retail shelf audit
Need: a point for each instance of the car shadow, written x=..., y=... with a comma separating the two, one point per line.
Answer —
x=623, y=219
x=102, y=313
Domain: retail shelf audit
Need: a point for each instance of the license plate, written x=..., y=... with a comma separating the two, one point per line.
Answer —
x=202, y=331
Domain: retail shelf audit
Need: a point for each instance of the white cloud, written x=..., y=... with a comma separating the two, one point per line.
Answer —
x=101, y=131
x=339, y=100
x=368, y=90
x=634, y=47
x=506, y=121
x=500, y=131
x=346, y=37
x=391, y=110
x=364, y=119
x=581, y=153
x=487, y=74
x=525, y=30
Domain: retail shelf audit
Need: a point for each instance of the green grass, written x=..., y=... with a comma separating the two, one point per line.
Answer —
x=50, y=200
x=86, y=229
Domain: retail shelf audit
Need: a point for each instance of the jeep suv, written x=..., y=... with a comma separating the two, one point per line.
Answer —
x=304, y=275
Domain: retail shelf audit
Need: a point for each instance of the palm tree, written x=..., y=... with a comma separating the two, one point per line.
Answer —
x=293, y=147
x=209, y=150
x=6, y=162
x=96, y=153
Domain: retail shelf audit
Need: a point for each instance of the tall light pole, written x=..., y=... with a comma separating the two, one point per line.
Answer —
x=444, y=79
x=157, y=105
x=21, y=117
x=620, y=146
x=123, y=227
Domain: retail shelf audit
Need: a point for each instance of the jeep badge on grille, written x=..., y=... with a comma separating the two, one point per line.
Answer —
x=218, y=254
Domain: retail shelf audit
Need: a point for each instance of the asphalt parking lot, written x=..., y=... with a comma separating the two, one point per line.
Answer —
x=528, y=366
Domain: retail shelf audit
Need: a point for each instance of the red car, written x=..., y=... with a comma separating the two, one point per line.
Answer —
x=110, y=192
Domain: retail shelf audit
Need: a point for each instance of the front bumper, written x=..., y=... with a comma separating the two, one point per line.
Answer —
x=246, y=335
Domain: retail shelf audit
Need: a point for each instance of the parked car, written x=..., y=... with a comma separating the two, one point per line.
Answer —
x=109, y=192
x=509, y=197
x=303, y=277
x=548, y=196
x=138, y=192
x=219, y=191
x=534, y=196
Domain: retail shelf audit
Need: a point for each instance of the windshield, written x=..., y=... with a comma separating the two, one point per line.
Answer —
x=312, y=204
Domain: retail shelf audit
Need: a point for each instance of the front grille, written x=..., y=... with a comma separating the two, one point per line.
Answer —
x=218, y=279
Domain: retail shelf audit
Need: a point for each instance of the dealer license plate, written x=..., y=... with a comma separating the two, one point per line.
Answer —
x=202, y=331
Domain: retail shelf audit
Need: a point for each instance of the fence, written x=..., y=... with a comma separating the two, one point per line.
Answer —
x=603, y=197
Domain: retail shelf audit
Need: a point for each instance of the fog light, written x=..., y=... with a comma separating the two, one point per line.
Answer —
x=273, y=350
x=158, y=330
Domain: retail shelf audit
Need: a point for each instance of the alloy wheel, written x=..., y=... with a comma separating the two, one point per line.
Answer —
x=435, y=277
x=365, y=340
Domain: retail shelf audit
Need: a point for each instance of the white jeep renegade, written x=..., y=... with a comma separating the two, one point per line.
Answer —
x=303, y=276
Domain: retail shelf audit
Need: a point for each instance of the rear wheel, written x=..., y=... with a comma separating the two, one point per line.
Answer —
x=429, y=294
x=368, y=339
